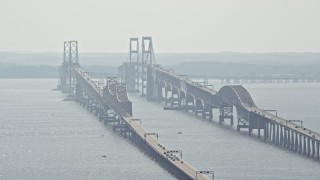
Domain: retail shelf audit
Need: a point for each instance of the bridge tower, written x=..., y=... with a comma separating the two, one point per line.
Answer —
x=130, y=71
x=134, y=73
x=134, y=65
x=70, y=58
x=148, y=58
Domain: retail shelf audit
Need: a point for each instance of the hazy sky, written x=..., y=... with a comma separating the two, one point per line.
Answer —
x=175, y=25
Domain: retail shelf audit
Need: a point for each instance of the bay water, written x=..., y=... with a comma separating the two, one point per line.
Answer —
x=44, y=137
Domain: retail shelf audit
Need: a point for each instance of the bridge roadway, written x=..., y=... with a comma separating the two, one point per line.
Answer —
x=97, y=92
x=286, y=123
x=258, y=79
x=276, y=129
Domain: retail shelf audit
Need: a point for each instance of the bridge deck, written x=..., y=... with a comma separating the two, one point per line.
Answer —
x=138, y=129
x=272, y=118
x=287, y=124
x=192, y=83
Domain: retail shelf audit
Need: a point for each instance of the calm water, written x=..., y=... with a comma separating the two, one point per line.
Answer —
x=43, y=137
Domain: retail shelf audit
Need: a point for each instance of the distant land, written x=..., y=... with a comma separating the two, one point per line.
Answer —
x=45, y=65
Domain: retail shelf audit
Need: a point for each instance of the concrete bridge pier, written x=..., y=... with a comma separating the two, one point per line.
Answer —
x=118, y=125
x=130, y=76
x=293, y=145
x=273, y=133
x=296, y=144
x=182, y=99
x=125, y=131
x=110, y=116
x=199, y=107
x=286, y=137
x=288, y=143
x=304, y=152
x=308, y=147
x=172, y=100
x=175, y=99
x=259, y=123
x=207, y=112
x=190, y=103
x=159, y=94
x=226, y=112
x=277, y=135
x=300, y=144
x=168, y=95
x=266, y=131
x=318, y=149
x=281, y=141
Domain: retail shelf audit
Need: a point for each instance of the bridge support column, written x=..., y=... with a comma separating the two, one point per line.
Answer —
x=190, y=103
x=207, y=112
x=313, y=148
x=318, y=149
x=281, y=136
x=226, y=112
x=277, y=135
x=300, y=143
x=266, y=130
x=274, y=133
x=199, y=107
x=174, y=100
x=110, y=116
x=168, y=98
x=296, y=144
x=130, y=76
x=292, y=140
x=154, y=88
x=289, y=140
x=285, y=139
x=304, y=145
x=308, y=147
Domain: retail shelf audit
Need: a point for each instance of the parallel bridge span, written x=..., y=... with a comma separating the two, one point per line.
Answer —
x=179, y=93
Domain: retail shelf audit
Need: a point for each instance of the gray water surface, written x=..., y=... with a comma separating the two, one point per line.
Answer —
x=44, y=137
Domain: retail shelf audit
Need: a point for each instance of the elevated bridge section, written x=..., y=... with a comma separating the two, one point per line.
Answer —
x=111, y=104
x=179, y=93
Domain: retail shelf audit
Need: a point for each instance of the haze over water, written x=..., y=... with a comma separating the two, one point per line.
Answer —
x=44, y=137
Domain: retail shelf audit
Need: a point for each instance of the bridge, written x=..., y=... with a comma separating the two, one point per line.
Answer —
x=263, y=78
x=110, y=104
x=141, y=74
x=180, y=93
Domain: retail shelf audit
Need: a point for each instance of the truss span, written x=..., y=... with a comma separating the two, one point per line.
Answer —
x=237, y=95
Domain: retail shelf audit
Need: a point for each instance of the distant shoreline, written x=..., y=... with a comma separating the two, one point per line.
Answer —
x=226, y=64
